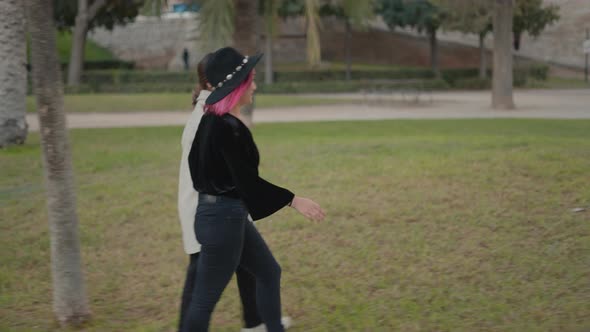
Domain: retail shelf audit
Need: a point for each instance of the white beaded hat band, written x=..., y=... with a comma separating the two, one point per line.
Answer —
x=226, y=69
x=230, y=76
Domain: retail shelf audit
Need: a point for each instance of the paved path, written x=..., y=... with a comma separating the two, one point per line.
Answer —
x=552, y=104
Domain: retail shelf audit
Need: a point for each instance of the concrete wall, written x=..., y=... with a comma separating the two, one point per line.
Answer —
x=560, y=44
x=158, y=43
x=154, y=43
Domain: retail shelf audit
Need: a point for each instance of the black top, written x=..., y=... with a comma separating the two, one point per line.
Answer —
x=224, y=161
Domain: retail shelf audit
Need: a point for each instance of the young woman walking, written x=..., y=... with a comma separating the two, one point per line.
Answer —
x=223, y=163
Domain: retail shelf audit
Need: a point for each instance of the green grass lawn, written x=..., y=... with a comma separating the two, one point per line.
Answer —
x=84, y=103
x=559, y=83
x=450, y=225
x=298, y=66
x=92, y=51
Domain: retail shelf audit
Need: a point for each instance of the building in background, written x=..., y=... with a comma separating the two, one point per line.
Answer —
x=182, y=6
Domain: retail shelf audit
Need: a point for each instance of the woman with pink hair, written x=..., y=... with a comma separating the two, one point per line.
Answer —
x=223, y=163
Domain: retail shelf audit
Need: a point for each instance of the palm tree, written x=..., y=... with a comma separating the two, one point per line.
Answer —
x=355, y=14
x=313, y=23
x=217, y=23
x=13, y=76
x=270, y=15
x=502, y=97
x=245, y=38
x=69, y=296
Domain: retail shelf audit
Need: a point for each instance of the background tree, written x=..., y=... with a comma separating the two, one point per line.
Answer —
x=421, y=15
x=470, y=16
x=88, y=15
x=310, y=10
x=217, y=23
x=69, y=295
x=502, y=85
x=245, y=38
x=270, y=15
x=13, y=73
x=393, y=13
x=354, y=14
x=425, y=16
x=532, y=17
x=313, y=24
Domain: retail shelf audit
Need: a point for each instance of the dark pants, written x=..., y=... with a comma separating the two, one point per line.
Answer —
x=228, y=241
x=246, y=285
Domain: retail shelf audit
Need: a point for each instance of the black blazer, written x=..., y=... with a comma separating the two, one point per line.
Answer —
x=224, y=161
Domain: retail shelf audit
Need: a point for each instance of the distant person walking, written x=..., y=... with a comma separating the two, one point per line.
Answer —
x=185, y=59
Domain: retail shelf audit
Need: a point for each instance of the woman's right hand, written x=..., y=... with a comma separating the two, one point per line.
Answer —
x=308, y=208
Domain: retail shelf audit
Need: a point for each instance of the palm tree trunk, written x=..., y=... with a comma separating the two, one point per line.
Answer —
x=502, y=97
x=69, y=295
x=13, y=74
x=245, y=23
x=347, y=46
x=483, y=61
x=245, y=39
x=313, y=23
x=268, y=65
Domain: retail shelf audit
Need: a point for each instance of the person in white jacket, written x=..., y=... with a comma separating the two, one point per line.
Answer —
x=187, y=205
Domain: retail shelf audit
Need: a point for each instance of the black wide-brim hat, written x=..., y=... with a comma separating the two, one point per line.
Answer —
x=226, y=70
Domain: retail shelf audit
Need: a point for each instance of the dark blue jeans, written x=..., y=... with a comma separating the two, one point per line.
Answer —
x=246, y=285
x=228, y=240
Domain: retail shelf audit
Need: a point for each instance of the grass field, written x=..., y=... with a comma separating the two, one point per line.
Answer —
x=453, y=225
x=298, y=66
x=558, y=83
x=105, y=103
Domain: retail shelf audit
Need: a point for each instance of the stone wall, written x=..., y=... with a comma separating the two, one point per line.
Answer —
x=291, y=42
x=153, y=42
x=158, y=43
x=394, y=48
x=560, y=44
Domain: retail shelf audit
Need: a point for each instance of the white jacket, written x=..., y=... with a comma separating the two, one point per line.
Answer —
x=188, y=197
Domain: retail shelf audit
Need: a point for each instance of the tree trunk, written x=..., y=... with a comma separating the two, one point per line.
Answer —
x=502, y=97
x=268, y=65
x=245, y=39
x=13, y=73
x=245, y=22
x=78, y=44
x=483, y=61
x=83, y=17
x=312, y=34
x=434, y=53
x=69, y=295
x=348, y=41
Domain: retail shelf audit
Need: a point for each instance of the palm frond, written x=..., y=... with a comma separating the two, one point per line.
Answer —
x=270, y=13
x=216, y=23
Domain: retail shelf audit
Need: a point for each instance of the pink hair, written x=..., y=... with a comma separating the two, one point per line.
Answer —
x=230, y=101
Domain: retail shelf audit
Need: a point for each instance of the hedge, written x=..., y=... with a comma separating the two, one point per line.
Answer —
x=449, y=75
x=130, y=81
x=280, y=87
x=104, y=65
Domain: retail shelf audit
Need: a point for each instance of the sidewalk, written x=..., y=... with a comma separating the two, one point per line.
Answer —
x=549, y=104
